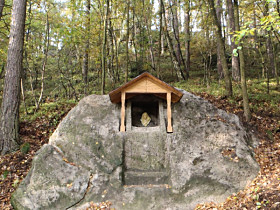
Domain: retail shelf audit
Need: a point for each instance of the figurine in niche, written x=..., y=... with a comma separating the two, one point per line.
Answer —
x=145, y=119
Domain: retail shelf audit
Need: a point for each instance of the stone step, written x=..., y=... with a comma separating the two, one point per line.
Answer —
x=145, y=177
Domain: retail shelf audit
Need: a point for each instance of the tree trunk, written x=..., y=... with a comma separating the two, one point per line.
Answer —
x=2, y=70
x=127, y=41
x=46, y=53
x=23, y=96
x=188, y=37
x=142, y=35
x=86, y=52
x=2, y=4
x=112, y=53
x=116, y=41
x=219, y=47
x=103, y=76
x=162, y=44
x=269, y=47
x=247, y=112
x=159, y=40
x=9, y=139
x=177, y=67
x=178, y=50
x=149, y=25
x=221, y=43
x=175, y=24
x=134, y=33
x=276, y=67
x=234, y=59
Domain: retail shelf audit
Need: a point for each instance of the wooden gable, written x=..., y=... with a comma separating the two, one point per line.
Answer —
x=146, y=84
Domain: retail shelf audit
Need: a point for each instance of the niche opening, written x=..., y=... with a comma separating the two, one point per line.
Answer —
x=138, y=108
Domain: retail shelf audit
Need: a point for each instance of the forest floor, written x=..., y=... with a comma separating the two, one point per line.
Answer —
x=262, y=193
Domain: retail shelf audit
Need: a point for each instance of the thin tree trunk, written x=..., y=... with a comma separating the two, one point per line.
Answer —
x=262, y=60
x=159, y=39
x=234, y=59
x=112, y=54
x=127, y=41
x=103, y=77
x=179, y=71
x=46, y=52
x=117, y=56
x=9, y=138
x=2, y=70
x=174, y=8
x=188, y=36
x=219, y=47
x=222, y=52
x=162, y=44
x=148, y=21
x=142, y=35
x=151, y=50
x=256, y=41
x=247, y=112
x=23, y=97
x=2, y=4
x=134, y=32
x=178, y=50
x=29, y=17
x=276, y=67
x=86, y=52
x=208, y=55
x=269, y=49
x=60, y=71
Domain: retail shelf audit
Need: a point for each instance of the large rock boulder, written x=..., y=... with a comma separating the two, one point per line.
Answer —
x=207, y=157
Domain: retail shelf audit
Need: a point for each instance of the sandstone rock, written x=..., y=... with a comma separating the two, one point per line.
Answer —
x=207, y=157
x=51, y=183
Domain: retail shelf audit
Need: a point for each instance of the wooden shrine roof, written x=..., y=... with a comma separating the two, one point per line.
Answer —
x=145, y=84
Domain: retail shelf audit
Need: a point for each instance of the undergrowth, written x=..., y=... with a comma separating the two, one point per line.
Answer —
x=259, y=99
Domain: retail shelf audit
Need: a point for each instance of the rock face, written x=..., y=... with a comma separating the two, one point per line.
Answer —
x=207, y=157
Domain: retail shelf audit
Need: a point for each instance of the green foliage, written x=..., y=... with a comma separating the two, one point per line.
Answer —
x=259, y=99
x=5, y=174
x=137, y=69
x=270, y=135
x=50, y=110
x=24, y=148
x=15, y=183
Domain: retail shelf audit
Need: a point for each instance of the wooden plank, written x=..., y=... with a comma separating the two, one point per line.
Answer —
x=138, y=87
x=145, y=85
x=122, y=129
x=153, y=87
x=169, y=125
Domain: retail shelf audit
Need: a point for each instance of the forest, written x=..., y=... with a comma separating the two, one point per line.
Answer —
x=55, y=52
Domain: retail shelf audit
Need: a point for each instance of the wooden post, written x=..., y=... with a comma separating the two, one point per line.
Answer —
x=122, y=129
x=169, y=125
